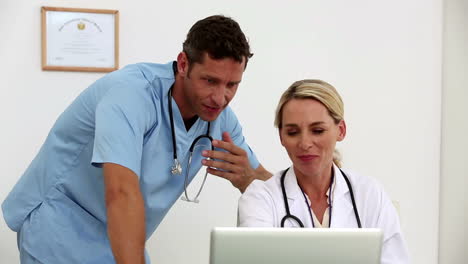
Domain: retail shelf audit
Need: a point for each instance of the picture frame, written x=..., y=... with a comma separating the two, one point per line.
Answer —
x=79, y=39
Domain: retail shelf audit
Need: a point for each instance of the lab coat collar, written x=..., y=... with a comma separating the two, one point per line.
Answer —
x=342, y=207
x=294, y=192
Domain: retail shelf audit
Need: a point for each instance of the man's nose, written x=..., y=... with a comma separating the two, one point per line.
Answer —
x=218, y=96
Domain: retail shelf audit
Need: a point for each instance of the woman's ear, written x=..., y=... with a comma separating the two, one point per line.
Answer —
x=281, y=138
x=342, y=130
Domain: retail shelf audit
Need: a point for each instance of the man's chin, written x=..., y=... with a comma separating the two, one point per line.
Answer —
x=210, y=114
x=209, y=117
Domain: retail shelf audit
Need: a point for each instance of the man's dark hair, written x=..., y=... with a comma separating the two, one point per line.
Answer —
x=221, y=37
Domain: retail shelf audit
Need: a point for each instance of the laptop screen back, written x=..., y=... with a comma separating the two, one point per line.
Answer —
x=295, y=245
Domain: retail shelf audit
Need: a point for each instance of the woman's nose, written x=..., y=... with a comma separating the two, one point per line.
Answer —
x=305, y=142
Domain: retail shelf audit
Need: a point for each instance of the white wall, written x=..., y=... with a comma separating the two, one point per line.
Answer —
x=383, y=56
x=454, y=165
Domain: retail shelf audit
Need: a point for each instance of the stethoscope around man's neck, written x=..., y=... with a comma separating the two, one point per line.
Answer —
x=176, y=168
x=298, y=221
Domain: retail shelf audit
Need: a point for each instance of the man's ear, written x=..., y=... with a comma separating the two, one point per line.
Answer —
x=342, y=130
x=182, y=64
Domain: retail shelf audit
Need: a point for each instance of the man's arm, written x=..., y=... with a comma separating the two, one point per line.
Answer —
x=125, y=214
x=235, y=165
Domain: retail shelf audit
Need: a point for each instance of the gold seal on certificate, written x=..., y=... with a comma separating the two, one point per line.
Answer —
x=81, y=26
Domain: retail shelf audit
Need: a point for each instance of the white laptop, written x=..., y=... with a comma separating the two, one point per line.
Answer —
x=248, y=245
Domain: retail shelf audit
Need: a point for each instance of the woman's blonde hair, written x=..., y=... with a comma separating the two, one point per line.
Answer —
x=318, y=90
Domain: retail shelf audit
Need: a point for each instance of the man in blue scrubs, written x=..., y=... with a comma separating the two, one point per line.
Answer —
x=102, y=181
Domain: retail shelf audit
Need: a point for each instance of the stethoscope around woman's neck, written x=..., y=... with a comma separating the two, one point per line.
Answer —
x=298, y=221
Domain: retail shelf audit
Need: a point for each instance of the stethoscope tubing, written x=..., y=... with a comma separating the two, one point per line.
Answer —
x=297, y=220
x=195, y=199
x=177, y=168
x=174, y=140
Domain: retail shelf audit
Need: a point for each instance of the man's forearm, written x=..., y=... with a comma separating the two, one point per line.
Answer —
x=262, y=174
x=126, y=228
x=255, y=174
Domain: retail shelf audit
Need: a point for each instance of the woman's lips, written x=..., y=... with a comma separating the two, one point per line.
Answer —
x=307, y=157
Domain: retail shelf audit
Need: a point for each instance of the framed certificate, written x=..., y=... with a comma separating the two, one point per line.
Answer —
x=76, y=39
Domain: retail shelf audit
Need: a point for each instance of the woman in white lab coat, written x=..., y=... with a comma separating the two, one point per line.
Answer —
x=310, y=120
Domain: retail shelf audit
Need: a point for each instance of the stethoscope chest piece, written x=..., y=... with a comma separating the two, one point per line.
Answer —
x=176, y=169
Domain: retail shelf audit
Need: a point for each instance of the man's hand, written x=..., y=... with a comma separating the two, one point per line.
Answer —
x=232, y=165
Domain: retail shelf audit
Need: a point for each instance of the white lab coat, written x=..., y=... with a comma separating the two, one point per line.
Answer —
x=262, y=205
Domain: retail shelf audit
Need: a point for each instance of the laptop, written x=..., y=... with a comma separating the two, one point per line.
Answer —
x=249, y=245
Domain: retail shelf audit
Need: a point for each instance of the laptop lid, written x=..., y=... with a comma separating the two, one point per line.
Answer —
x=249, y=245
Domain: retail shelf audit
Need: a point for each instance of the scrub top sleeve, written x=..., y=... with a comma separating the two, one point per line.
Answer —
x=122, y=118
x=234, y=128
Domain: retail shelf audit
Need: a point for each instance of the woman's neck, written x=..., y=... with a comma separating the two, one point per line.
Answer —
x=316, y=185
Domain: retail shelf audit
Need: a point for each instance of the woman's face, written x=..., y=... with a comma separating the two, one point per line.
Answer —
x=309, y=135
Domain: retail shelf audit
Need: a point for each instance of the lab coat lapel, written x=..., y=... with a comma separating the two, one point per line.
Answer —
x=297, y=205
x=342, y=210
x=293, y=191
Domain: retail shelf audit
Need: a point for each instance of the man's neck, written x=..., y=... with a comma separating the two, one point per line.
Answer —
x=179, y=98
x=189, y=122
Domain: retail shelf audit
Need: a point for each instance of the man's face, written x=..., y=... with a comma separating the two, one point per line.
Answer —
x=209, y=86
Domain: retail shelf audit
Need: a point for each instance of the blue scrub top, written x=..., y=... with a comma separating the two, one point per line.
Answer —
x=59, y=202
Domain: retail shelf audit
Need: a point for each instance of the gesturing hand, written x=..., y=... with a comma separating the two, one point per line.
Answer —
x=232, y=165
